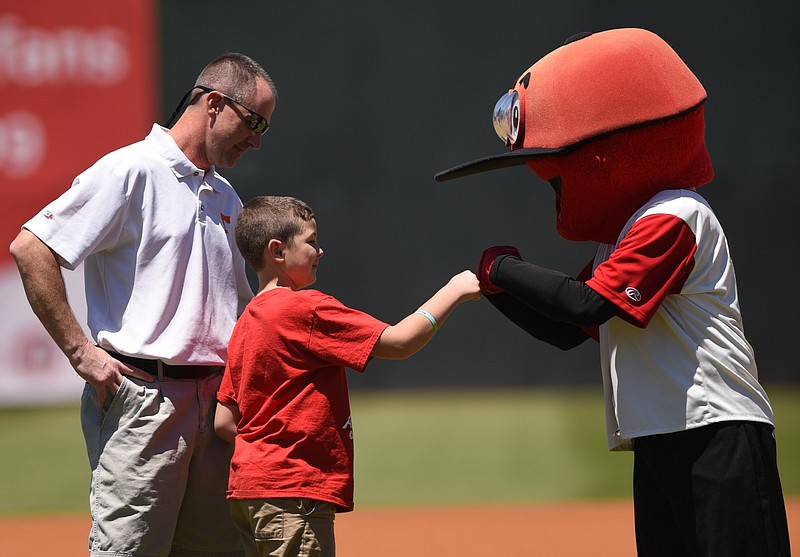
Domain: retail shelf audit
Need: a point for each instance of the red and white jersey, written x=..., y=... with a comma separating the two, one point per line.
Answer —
x=676, y=357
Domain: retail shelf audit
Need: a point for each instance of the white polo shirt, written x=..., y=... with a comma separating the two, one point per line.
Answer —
x=677, y=357
x=164, y=278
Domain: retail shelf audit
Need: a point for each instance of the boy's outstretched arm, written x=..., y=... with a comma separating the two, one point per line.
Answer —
x=412, y=333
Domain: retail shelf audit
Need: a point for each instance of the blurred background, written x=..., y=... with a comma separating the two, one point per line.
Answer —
x=374, y=99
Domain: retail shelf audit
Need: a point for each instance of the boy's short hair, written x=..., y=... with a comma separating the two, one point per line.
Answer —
x=265, y=218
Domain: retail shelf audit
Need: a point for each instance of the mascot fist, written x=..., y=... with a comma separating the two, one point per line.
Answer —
x=485, y=267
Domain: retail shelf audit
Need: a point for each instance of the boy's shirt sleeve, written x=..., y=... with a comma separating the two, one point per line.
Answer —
x=344, y=336
x=651, y=262
x=226, y=394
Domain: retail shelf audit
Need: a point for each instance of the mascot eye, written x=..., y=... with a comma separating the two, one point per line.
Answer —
x=506, y=117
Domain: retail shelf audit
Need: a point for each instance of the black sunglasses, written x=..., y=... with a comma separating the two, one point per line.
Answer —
x=255, y=121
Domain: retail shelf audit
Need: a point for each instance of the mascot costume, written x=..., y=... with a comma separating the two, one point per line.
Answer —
x=614, y=122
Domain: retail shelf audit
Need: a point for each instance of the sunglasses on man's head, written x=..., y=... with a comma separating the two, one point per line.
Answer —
x=255, y=121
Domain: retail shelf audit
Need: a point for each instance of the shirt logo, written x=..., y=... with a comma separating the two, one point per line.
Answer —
x=48, y=215
x=633, y=294
x=349, y=425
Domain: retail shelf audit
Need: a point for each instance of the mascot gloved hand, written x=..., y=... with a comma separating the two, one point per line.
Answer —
x=485, y=267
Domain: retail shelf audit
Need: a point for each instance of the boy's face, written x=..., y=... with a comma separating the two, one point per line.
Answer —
x=302, y=255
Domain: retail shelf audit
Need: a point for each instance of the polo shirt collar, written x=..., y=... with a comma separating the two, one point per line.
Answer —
x=177, y=161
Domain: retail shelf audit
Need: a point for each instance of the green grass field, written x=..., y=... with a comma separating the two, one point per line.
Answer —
x=412, y=448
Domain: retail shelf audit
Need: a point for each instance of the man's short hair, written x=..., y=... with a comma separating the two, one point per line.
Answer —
x=236, y=75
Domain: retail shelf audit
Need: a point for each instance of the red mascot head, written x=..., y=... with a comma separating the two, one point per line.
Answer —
x=609, y=119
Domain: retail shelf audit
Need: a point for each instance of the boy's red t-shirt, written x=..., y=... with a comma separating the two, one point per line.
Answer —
x=286, y=373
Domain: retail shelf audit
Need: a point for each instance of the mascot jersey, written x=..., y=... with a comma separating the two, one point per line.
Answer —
x=676, y=356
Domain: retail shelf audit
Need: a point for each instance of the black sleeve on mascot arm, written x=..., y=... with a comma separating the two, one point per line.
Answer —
x=561, y=335
x=551, y=293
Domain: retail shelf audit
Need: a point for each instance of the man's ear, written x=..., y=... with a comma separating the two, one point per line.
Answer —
x=275, y=250
x=214, y=102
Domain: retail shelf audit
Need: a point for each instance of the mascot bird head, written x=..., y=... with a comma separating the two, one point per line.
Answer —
x=609, y=119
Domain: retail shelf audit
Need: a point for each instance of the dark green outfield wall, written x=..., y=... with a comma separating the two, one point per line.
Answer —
x=376, y=97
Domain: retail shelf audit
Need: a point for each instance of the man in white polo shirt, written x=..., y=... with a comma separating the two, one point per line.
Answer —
x=153, y=225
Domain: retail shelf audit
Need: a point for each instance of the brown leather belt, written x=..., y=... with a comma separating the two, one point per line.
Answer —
x=167, y=370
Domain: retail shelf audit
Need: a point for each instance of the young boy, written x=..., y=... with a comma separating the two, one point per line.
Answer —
x=283, y=397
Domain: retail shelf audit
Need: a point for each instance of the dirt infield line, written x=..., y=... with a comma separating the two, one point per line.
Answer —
x=596, y=529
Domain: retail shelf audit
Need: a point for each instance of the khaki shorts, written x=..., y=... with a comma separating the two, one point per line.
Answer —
x=285, y=527
x=159, y=472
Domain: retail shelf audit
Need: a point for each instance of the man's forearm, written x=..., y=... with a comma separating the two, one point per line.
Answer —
x=44, y=287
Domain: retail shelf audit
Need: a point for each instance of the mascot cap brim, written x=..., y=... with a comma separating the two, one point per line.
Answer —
x=495, y=162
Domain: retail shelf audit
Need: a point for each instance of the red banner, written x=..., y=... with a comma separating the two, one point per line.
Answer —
x=77, y=80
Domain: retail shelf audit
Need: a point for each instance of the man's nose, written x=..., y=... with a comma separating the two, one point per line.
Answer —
x=254, y=140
